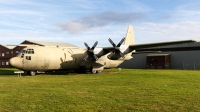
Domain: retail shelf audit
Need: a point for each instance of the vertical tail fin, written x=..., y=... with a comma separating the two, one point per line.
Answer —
x=129, y=36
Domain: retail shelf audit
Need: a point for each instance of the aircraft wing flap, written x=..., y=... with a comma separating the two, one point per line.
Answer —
x=140, y=46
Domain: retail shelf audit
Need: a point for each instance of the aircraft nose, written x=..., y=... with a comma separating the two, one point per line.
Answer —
x=15, y=62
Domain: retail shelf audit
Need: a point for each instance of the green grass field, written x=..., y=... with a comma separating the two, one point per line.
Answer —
x=128, y=90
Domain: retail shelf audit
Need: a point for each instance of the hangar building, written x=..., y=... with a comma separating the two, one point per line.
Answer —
x=180, y=56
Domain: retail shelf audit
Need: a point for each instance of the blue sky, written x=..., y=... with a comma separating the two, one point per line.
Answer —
x=79, y=21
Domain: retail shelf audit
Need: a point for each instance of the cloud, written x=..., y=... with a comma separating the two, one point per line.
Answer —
x=86, y=4
x=187, y=12
x=99, y=20
x=22, y=12
x=154, y=32
x=178, y=27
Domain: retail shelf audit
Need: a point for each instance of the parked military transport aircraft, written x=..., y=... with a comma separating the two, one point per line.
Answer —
x=37, y=58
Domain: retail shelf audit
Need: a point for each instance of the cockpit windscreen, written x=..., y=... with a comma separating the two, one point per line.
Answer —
x=28, y=51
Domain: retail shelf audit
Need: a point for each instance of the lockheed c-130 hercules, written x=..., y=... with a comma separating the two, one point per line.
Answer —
x=36, y=58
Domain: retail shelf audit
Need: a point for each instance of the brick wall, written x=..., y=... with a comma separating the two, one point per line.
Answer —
x=6, y=54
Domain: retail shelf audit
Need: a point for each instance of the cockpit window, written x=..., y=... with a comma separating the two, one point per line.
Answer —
x=30, y=51
x=22, y=52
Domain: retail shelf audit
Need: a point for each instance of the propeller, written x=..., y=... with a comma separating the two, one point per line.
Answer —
x=116, y=49
x=90, y=51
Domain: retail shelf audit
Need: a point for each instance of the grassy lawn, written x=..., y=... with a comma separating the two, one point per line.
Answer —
x=128, y=90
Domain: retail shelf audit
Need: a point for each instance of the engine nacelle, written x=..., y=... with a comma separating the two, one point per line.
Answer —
x=114, y=56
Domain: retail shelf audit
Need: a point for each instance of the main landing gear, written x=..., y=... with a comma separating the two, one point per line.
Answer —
x=96, y=71
x=31, y=73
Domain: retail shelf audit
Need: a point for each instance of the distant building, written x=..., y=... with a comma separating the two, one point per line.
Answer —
x=181, y=56
x=6, y=52
x=48, y=44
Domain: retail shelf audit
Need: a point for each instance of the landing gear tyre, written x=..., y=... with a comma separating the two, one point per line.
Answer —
x=94, y=71
x=98, y=72
x=32, y=73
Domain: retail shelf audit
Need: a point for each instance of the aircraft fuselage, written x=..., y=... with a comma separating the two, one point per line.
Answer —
x=48, y=58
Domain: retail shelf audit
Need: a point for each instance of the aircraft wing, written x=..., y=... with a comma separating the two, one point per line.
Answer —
x=141, y=46
x=125, y=49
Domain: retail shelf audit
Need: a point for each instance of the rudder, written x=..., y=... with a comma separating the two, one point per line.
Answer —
x=129, y=36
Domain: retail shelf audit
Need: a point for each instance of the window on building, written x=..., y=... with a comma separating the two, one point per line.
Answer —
x=7, y=63
x=2, y=54
x=2, y=63
x=11, y=52
x=17, y=52
x=7, y=52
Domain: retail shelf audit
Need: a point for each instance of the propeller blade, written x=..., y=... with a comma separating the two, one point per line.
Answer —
x=95, y=44
x=86, y=57
x=95, y=57
x=87, y=45
x=111, y=42
x=120, y=43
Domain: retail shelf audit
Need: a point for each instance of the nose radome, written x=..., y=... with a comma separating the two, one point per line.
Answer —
x=15, y=62
x=12, y=62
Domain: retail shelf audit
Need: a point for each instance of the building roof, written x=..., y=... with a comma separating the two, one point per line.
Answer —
x=51, y=44
x=195, y=44
x=9, y=46
x=175, y=47
x=158, y=54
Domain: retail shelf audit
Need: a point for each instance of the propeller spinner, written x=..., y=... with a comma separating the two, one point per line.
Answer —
x=90, y=52
x=116, y=49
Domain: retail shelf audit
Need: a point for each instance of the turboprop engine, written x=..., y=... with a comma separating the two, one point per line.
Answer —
x=117, y=50
x=90, y=52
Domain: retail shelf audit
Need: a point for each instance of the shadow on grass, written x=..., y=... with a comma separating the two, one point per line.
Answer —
x=64, y=72
x=10, y=72
x=7, y=71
